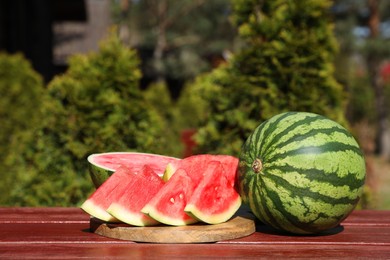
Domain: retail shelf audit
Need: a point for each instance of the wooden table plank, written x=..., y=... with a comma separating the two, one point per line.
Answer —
x=368, y=218
x=43, y=215
x=63, y=233
x=74, y=214
x=76, y=232
x=47, y=233
x=351, y=235
x=181, y=251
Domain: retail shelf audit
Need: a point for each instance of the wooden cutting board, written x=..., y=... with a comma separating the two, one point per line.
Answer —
x=238, y=226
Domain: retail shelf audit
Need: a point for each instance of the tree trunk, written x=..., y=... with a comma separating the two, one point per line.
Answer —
x=124, y=33
x=165, y=20
x=161, y=42
x=373, y=63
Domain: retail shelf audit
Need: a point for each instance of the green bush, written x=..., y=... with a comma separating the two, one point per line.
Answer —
x=286, y=64
x=21, y=91
x=159, y=98
x=96, y=106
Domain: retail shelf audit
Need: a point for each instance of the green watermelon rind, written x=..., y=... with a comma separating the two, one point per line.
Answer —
x=313, y=173
x=97, y=212
x=202, y=216
x=130, y=217
x=169, y=171
x=99, y=174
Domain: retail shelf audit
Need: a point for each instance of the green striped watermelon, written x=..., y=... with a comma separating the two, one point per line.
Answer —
x=301, y=172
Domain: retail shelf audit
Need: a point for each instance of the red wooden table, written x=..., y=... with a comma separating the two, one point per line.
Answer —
x=63, y=233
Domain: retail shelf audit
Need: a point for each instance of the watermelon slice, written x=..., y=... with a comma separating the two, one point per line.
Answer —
x=196, y=165
x=97, y=204
x=102, y=165
x=167, y=206
x=141, y=188
x=214, y=200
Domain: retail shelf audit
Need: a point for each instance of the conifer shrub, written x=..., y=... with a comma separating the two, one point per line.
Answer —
x=286, y=65
x=159, y=98
x=96, y=106
x=21, y=90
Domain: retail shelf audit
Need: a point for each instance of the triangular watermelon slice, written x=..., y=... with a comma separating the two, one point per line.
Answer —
x=214, y=200
x=102, y=165
x=167, y=206
x=97, y=204
x=141, y=188
x=196, y=165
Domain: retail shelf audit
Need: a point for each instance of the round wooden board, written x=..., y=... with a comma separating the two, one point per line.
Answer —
x=236, y=227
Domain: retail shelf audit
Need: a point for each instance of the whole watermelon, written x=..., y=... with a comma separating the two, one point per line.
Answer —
x=301, y=172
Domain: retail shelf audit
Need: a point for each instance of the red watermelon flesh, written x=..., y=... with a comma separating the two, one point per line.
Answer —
x=138, y=192
x=112, y=161
x=167, y=206
x=97, y=204
x=102, y=165
x=214, y=200
x=196, y=166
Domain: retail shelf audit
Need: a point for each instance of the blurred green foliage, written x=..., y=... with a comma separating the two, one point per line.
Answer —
x=287, y=64
x=21, y=91
x=159, y=98
x=96, y=106
x=361, y=105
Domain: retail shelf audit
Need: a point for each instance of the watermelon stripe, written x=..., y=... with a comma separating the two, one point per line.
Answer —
x=288, y=218
x=288, y=131
x=257, y=191
x=256, y=141
x=320, y=176
x=340, y=163
x=289, y=123
x=293, y=140
x=261, y=209
x=269, y=132
x=293, y=222
x=265, y=207
x=328, y=147
x=300, y=136
x=306, y=192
